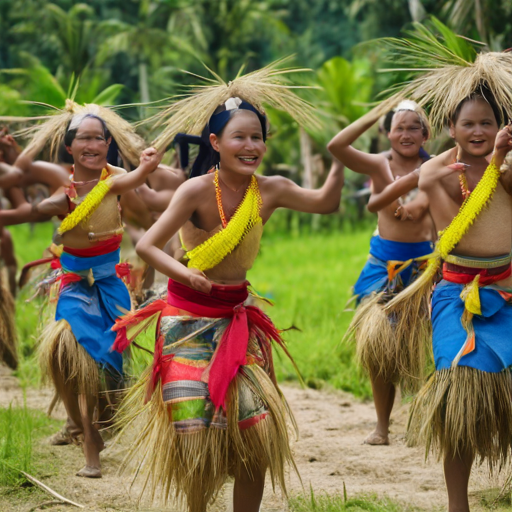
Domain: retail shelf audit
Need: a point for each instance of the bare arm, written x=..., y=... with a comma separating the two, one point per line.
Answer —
x=157, y=201
x=502, y=147
x=21, y=212
x=279, y=192
x=149, y=160
x=358, y=161
x=150, y=247
x=54, y=205
x=393, y=192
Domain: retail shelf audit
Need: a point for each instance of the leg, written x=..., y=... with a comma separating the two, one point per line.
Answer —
x=384, y=398
x=456, y=473
x=93, y=443
x=7, y=252
x=248, y=490
x=80, y=409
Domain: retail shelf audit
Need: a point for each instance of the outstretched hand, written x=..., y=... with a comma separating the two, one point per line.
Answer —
x=199, y=281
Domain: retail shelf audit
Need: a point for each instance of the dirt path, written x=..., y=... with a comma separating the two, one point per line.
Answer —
x=329, y=453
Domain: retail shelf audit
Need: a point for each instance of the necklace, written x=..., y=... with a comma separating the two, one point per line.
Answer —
x=218, y=195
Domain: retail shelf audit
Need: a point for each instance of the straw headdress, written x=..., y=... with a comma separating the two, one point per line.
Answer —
x=269, y=86
x=53, y=128
x=446, y=69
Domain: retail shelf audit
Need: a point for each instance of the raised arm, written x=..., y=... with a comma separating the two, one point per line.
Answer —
x=393, y=191
x=359, y=161
x=22, y=210
x=279, y=192
x=150, y=247
x=149, y=160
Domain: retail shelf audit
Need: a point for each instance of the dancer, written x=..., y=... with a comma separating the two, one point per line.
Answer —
x=214, y=405
x=464, y=411
x=75, y=349
x=388, y=356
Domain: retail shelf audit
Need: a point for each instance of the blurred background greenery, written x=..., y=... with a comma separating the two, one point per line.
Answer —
x=131, y=51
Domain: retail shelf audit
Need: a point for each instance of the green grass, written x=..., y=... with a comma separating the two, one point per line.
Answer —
x=19, y=429
x=309, y=277
x=337, y=503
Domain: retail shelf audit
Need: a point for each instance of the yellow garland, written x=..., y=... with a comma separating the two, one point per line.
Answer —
x=451, y=236
x=212, y=251
x=88, y=206
x=469, y=210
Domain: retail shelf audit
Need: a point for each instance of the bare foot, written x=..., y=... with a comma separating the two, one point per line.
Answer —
x=375, y=439
x=90, y=472
x=61, y=438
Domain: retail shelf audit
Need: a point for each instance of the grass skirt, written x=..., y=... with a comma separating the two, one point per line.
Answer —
x=8, y=337
x=464, y=410
x=63, y=360
x=181, y=447
x=385, y=347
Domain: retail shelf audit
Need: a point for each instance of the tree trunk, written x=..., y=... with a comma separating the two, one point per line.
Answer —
x=143, y=86
x=306, y=156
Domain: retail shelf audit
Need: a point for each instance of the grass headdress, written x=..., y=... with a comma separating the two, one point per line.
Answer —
x=50, y=132
x=269, y=86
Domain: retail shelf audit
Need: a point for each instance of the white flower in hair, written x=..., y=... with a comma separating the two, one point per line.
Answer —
x=233, y=103
x=407, y=105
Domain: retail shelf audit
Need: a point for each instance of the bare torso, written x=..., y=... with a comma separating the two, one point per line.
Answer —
x=418, y=230
x=491, y=234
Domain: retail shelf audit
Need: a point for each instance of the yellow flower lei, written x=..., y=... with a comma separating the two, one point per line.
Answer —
x=87, y=207
x=212, y=251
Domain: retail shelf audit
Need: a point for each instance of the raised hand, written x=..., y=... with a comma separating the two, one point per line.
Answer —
x=150, y=158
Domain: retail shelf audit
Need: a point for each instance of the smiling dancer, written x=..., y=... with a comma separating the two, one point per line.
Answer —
x=389, y=356
x=75, y=349
x=464, y=411
x=214, y=405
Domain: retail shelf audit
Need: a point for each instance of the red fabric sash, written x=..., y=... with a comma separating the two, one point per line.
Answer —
x=224, y=302
x=110, y=245
x=466, y=275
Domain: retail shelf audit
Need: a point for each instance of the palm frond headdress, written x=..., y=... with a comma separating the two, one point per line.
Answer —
x=269, y=86
x=52, y=130
x=445, y=69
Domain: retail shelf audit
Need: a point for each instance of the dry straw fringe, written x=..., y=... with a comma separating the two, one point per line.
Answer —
x=191, y=468
x=268, y=86
x=8, y=337
x=446, y=69
x=386, y=346
x=51, y=132
x=64, y=362
x=464, y=410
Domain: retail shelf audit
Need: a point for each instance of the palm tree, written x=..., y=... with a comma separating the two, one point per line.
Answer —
x=147, y=41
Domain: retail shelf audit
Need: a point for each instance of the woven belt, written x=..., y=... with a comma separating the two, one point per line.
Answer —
x=459, y=263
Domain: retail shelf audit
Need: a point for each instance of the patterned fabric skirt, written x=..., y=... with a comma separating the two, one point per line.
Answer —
x=185, y=446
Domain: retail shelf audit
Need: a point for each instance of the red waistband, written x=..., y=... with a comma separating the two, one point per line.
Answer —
x=104, y=247
x=464, y=275
x=221, y=301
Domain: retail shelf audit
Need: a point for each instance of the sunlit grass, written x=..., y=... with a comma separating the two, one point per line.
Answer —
x=19, y=428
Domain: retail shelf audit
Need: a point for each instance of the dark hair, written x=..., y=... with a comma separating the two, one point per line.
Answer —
x=388, y=121
x=71, y=134
x=482, y=93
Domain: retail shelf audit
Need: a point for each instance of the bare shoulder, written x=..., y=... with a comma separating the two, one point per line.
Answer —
x=198, y=187
x=431, y=167
x=116, y=171
x=271, y=183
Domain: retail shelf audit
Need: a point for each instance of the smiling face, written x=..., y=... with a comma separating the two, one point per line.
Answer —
x=406, y=135
x=89, y=147
x=241, y=144
x=476, y=128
